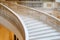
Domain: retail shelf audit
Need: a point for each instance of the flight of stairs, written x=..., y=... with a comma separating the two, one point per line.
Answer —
x=38, y=30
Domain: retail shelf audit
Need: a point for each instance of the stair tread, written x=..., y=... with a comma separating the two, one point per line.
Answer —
x=38, y=30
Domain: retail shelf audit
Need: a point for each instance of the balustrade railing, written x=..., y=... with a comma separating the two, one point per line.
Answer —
x=13, y=19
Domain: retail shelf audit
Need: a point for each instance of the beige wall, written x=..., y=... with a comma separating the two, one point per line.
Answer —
x=2, y=0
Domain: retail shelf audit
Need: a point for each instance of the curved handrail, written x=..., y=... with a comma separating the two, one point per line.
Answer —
x=13, y=18
x=40, y=11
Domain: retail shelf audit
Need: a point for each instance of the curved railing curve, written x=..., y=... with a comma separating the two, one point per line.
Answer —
x=12, y=18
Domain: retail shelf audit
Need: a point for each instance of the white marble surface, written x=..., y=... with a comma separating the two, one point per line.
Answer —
x=45, y=10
